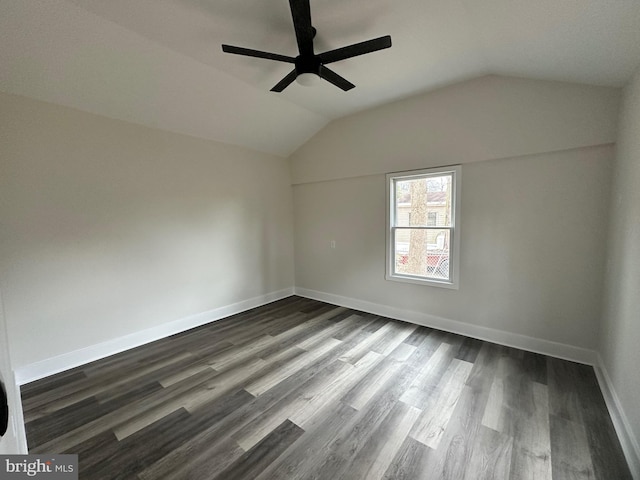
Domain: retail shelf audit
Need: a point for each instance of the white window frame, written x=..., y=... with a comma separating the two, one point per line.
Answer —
x=454, y=229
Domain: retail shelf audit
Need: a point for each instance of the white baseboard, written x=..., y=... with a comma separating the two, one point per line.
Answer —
x=554, y=349
x=629, y=442
x=44, y=368
x=523, y=342
x=66, y=361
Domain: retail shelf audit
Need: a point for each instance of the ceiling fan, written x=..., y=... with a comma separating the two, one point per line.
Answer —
x=308, y=63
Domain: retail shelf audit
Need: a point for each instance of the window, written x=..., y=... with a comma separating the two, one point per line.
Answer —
x=423, y=243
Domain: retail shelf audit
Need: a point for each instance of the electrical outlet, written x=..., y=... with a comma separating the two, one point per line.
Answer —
x=332, y=244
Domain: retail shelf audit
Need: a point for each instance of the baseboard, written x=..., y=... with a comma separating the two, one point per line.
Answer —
x=629, y=442
x=523, y=342
x=66, y=361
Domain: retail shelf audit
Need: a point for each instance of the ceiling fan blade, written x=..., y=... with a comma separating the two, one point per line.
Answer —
x=356, y=49
x=333, y=77
x=285, y=82
x=257, y=53
x=301, y=13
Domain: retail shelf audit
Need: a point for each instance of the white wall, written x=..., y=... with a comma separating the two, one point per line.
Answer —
x=532, y=258
x=110, y=228
x=531, y=248
x=486, y=118
x=620, y=335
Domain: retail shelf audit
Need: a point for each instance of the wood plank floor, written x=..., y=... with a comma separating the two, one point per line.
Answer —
x=302, y=389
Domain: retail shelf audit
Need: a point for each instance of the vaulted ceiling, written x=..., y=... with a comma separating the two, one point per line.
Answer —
x=159, y=62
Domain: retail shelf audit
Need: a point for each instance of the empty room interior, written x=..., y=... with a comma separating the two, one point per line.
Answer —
x=321, y=239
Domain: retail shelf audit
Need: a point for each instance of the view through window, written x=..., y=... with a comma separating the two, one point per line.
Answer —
x=422, y=243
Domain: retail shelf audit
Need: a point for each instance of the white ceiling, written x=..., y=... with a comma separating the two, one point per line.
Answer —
x=159, y=62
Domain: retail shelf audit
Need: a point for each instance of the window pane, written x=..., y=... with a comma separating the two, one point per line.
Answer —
x=422, y=202
x=423, y=253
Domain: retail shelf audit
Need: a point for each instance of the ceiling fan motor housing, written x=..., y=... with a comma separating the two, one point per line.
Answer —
x=308, y=65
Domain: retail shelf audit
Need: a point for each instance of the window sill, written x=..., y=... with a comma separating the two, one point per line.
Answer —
x=427, y=282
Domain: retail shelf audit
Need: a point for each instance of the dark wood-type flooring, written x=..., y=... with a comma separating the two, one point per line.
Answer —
x=302, y=389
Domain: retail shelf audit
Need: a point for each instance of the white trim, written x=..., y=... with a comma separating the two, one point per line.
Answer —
x=454, y=228
x=629, y=442
x=17, y=420
x=15, y=438
x=66, y=361
x=523, y=342
x=82, y=356
x=14, y=441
